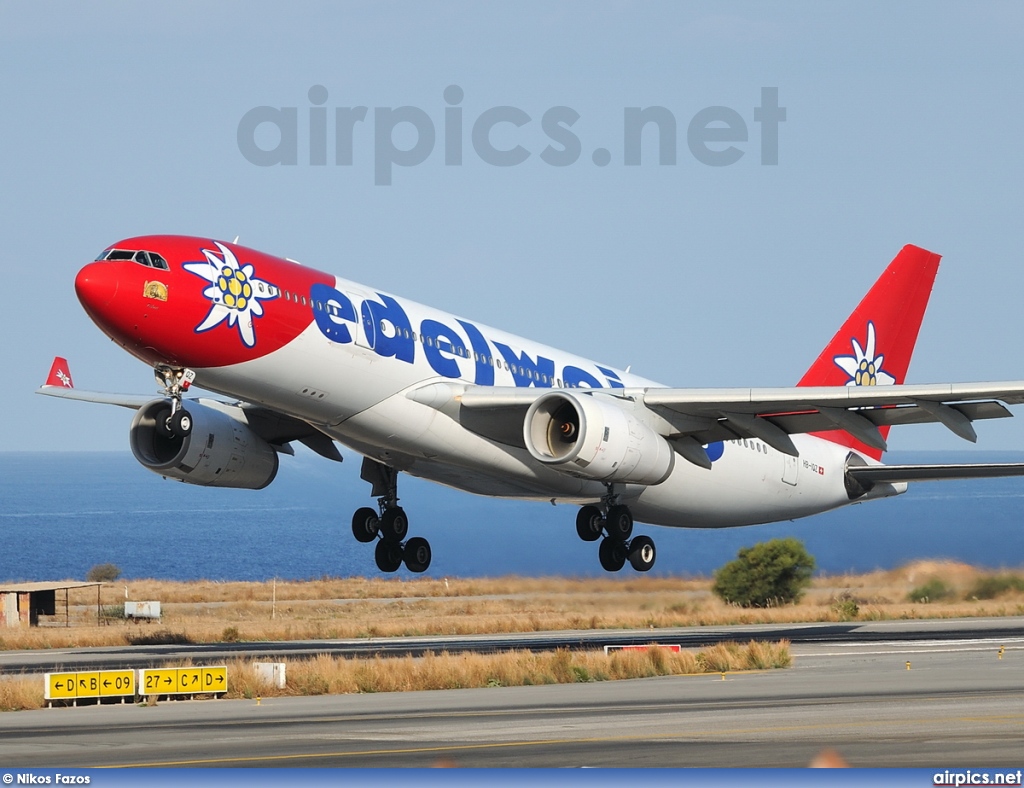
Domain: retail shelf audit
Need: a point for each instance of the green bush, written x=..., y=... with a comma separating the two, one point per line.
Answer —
x=845, y=607
x=767, y=574
x=933, y=591
x=103, y=573
x=163, y=637
x=112, y=613
x=997, y=585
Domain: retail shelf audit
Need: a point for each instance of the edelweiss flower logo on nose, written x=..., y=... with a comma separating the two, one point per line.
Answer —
x=234, y=290
x=864, y=367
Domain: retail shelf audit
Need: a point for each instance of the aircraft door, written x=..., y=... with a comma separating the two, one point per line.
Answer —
x=790, y=469
x=364, y=330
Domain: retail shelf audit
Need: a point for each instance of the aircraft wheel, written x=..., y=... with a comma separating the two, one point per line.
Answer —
x=620, y=523
x=417, y=554
x=612, y=554
x=394, y=524
x=365, y=524
x=642, y=553
x=589, y=523
x=388, y=556
x=181, y=423
x=163, y=423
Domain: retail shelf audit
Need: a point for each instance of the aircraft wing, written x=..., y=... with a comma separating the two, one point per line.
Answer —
x=771, y=414
x=275, y=428
x=693, y=418
x=133, y=401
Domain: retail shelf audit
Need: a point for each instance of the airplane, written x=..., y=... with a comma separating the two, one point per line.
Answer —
x=305, y=356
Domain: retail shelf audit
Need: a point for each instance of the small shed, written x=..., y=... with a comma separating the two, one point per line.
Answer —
x=21, y=604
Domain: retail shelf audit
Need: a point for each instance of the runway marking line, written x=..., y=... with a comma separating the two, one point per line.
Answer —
x=1019, y=719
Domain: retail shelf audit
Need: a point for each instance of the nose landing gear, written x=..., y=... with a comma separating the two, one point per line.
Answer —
x=175, y=422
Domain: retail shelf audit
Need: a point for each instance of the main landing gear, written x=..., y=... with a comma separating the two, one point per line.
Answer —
x=175, y=421
x=388, y=524
x=615, y=522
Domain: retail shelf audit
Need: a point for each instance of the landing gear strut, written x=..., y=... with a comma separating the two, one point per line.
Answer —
x=175, y=422
x=615, y=521
x=388, y=524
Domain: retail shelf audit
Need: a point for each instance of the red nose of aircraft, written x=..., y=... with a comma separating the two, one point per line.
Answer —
x=96, y=286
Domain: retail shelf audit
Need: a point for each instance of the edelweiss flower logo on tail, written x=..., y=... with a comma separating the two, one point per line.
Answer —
x=234, y=290
x=864, y=367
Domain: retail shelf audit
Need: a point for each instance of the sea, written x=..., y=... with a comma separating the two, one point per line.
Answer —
x=63, y=513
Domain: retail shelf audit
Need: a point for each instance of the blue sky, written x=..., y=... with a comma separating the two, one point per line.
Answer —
x=903, y=126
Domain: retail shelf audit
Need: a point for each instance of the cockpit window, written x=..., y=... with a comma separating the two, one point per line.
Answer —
x=148, y=259
x=117, y=254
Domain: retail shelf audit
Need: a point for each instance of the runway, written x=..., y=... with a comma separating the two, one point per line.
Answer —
x=1008, y=629
x=959, y=704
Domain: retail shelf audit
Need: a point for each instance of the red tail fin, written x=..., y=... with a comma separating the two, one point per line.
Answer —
x=875, y=344
x=60, y=374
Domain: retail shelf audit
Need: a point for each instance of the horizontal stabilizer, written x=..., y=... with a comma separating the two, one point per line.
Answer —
x=868, y=475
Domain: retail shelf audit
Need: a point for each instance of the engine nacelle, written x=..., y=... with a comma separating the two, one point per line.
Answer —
x=591, y=439
x=220, y=451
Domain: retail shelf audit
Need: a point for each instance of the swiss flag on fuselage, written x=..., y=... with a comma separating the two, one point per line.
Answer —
x=873, y=347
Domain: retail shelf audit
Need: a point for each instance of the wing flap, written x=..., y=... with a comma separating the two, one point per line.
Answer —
x=700, y=402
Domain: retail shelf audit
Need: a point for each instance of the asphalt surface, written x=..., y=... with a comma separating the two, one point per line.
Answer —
x=959, y=704
x=107, y=658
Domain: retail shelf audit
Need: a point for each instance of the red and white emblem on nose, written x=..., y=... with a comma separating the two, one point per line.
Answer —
x=234, y=292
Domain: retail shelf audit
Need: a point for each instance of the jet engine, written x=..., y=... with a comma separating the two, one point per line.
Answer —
x=586, y=437
x=221, y=450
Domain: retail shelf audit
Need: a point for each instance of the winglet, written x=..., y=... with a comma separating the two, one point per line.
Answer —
x=60, y=374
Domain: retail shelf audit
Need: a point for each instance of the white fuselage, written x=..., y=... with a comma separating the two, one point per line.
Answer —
x=349, y=374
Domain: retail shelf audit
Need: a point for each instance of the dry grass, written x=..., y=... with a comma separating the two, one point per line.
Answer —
x=332, y=608
x=328, y=675
x=21, y=692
